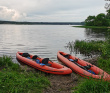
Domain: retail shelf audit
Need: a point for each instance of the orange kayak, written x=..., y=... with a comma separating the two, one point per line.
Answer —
x=44, y=65
x=82, y=67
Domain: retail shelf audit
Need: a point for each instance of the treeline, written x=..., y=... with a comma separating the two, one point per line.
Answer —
x=42, y=23
x=99, y=20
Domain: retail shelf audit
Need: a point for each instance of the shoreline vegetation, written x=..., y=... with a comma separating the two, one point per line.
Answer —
x=100, y=48
x=41, y=23
x=92, y=26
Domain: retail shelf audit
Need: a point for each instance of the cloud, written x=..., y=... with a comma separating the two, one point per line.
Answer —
x=10, y=14
x=50, y=10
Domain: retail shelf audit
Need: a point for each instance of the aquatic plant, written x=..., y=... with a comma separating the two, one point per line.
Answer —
x=85, y=47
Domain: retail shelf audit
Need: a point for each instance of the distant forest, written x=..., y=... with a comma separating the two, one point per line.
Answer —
x=42, y=23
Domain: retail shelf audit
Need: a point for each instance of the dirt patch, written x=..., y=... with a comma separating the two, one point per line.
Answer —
x=62, y=83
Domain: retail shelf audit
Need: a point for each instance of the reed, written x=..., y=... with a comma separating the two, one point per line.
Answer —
x=85, y=47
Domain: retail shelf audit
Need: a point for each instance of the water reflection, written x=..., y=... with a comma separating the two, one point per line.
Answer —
x=97, y=33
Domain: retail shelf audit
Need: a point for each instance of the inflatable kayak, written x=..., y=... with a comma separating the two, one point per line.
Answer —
x=44, y=65
x=82, y=67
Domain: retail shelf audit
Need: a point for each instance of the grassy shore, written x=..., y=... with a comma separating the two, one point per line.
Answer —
x=92, y=86
x=92, y=26
x=15, y=80
x=94, y=47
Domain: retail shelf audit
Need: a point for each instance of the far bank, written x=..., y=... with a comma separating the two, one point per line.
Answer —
x=92, y=26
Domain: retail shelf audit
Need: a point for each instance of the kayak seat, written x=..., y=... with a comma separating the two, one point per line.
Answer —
x=25, y=55
x=87, y=67
x=66, y=56
x=38, y=62
x=34, y=57
x=45, y=61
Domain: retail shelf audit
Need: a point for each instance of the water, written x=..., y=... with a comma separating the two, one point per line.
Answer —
x=43, y=40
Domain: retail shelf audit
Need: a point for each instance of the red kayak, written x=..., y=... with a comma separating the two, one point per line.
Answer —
x=44, y=65
x=82, y=67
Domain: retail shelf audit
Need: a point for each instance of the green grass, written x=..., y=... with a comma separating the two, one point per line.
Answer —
x=92, y=86
x=91, y=26
x=15, y=80
x=104, y=64
x=6, y=62
x=87, y=47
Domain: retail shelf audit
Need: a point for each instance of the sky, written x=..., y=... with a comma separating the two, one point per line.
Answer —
x=50, y=10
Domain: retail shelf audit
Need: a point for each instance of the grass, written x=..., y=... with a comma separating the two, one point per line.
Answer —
x=103, y=48
x=104, y=64
x=91, y=26
x=15, y=80
x=92, y=86
x=6, y=62
x=87, y=47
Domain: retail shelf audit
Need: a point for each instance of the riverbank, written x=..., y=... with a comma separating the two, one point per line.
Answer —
x=23, y=79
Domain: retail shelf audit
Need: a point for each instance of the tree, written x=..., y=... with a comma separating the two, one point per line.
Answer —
x=108, y=14
x=90, y=21
x=101, y=20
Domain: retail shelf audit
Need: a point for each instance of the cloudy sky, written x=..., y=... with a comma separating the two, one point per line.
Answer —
x=50, y=10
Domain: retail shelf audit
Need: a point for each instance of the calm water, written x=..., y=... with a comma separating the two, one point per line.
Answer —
x=43, y=40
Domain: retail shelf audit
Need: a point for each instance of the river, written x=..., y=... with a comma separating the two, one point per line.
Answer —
x=43, y=40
